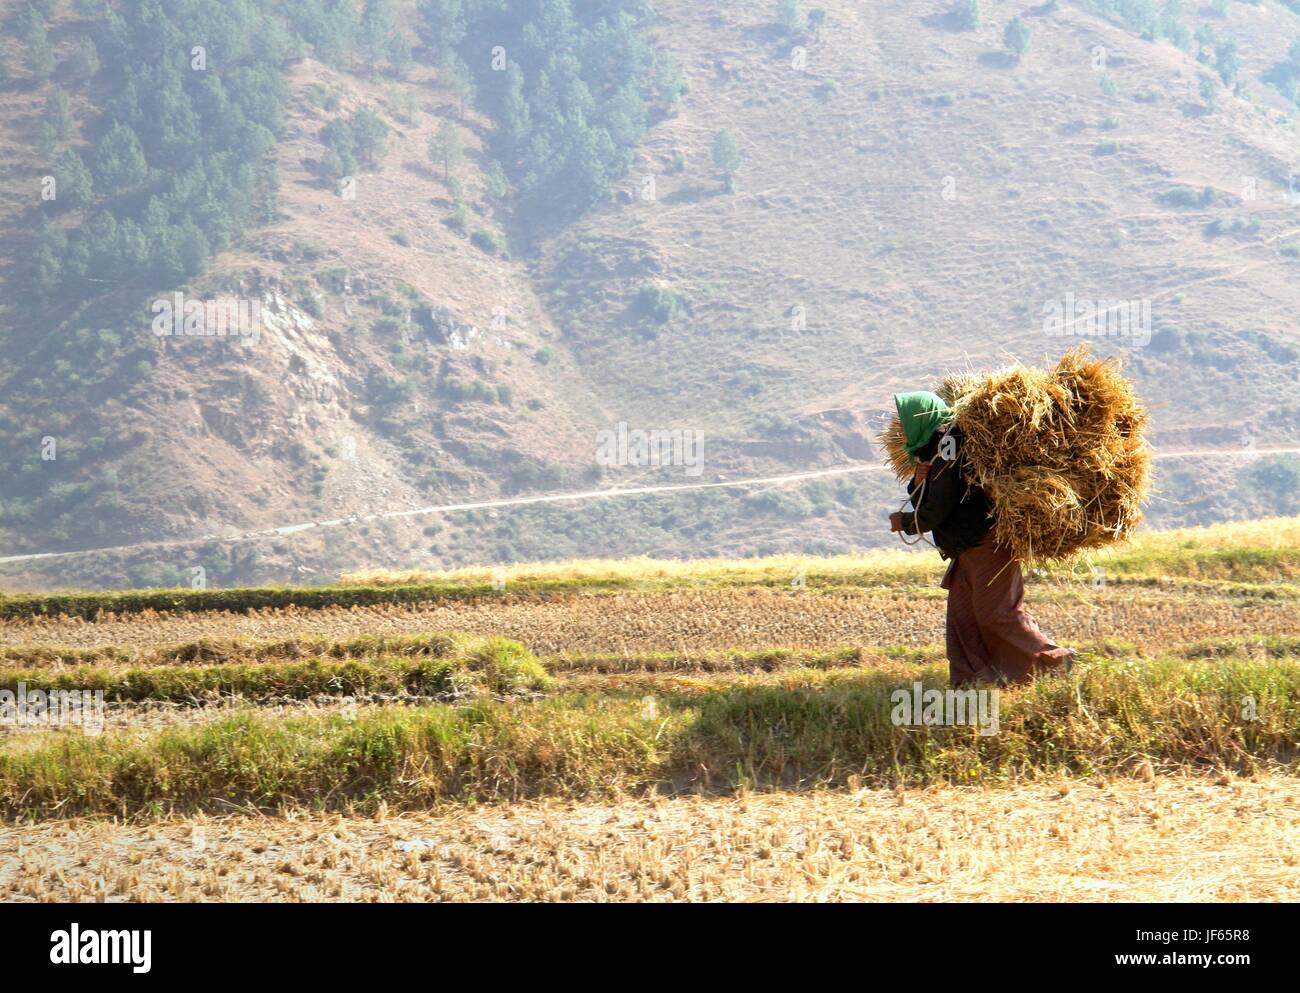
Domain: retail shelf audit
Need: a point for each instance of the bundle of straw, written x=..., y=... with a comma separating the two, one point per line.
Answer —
x=1059, y=453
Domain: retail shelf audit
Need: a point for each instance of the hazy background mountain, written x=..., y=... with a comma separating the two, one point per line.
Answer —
x=479, y=233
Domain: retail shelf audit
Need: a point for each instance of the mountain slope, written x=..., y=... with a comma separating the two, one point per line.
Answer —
x=910, y=199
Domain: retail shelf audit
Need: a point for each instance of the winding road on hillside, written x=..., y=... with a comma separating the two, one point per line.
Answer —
x=579, y=496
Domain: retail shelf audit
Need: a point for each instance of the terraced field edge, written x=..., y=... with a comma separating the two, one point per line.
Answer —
x=791, y=730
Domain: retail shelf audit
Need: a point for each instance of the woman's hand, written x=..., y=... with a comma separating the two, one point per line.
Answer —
x=896, y=521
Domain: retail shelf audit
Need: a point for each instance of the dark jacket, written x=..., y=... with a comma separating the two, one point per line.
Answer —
x=957, y=514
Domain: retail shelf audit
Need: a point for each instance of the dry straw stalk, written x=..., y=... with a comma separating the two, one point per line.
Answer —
x=1060, y=453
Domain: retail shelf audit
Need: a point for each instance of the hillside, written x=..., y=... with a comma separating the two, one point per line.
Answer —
x=907, y=199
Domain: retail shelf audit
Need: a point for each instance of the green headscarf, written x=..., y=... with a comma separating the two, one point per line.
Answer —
x=921, y=414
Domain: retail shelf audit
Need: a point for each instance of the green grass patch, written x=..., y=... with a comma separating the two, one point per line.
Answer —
x=1244, y=572
x=726, y=661
x=493, y=665
x=1265, y=646
x=91, y=605
x=242, y=650
x=1208, y=563
x=797, y=729
x=1241, y=565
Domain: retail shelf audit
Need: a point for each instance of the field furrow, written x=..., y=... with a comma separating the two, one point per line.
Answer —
x=747, y=618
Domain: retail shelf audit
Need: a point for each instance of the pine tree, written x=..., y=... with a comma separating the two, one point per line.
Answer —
x=445, y=148
x=369, y=135
x=119, y=160
x=625, y=115
x=133, y=245
x=86, y=63
x=46, y=264
x=73, y=186
x=496, y=183
x=58, y=114
x=967, y=14
x=193, y=249
x=460, y=82
x=47, y=140
x=340, y=157
x=40, y=56
x=380, y=32
x=1227, y=60
x=667, y=82
x=165, y=257
x=789, y=17
x=103, y=258
x=1016, y=37
x=515, y=115
x=332, y=165
x=443, y=26
x=726, y=156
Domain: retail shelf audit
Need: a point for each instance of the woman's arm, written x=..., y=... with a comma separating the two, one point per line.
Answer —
x=940, y=489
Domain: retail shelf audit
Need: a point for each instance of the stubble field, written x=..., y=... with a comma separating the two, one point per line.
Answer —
x=663, y=731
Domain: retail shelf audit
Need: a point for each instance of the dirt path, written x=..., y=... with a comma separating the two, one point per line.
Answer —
x=689, y=619
x=581, y=496
x=1174, y=839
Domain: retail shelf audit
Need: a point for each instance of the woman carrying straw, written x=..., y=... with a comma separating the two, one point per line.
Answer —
x=990, y=636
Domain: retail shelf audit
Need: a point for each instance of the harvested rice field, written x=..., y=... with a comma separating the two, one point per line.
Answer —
x=1174, y=839
x=661, y=731
x=684, y=620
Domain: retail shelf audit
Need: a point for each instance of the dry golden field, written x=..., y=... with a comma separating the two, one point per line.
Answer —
x=1172, y=839
x=685, y=620
x=669, y=731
